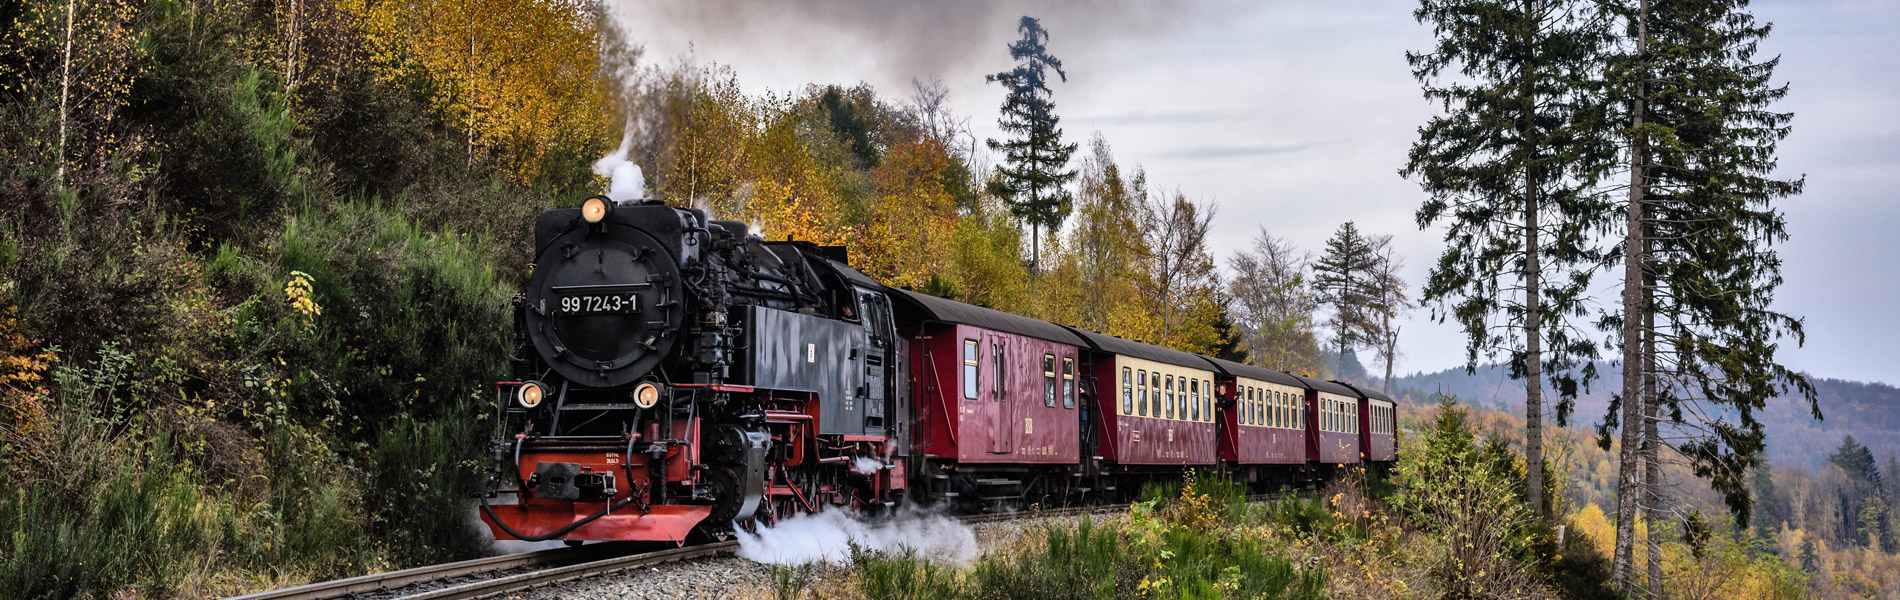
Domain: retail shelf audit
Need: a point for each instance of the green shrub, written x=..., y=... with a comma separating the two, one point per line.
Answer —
x=424, y=475
x=1465, y=495
x=102, y=513
x=1297, y=516
x=315, y=518
x=409, y=321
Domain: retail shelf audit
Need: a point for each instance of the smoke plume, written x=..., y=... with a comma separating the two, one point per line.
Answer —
x=628, y=184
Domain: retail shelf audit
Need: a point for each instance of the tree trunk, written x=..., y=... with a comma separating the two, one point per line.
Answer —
x=1035, y=248
x=1533, y=355
x=1391, y=354
x=65, y=93
x=292, y=48
x=1652, y=446
x=1533, y=300
x=1629, y=466
x=1341, y=372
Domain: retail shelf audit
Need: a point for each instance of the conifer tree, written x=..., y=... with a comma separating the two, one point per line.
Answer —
x=1343, y=277
x=1510, y=166
x=1700, y=267
x=1035, y=168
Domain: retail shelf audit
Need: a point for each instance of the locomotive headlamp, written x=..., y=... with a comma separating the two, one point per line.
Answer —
x=646, y=395
x=529, y=395
x=595, y=209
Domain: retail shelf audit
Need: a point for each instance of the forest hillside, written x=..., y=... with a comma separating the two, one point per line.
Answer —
x=1869, y=411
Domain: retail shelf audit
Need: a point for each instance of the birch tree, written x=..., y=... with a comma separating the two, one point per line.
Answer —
x=77, y=58
x=1178, y=280
x=1388, y=302
x=1273, y=304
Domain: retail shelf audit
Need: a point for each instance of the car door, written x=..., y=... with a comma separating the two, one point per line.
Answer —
x=1003, y=428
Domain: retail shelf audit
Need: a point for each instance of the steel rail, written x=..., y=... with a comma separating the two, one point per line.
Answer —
x=500, y=585
x=398, y=579
x=574, y=563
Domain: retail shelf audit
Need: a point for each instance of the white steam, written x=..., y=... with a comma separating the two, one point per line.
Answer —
x=628, y=184
x=867, y=465
x=828, y=537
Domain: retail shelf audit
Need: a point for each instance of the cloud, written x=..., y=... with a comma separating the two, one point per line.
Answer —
x=1236, y=150
x=1166, y=115
x=888, y=42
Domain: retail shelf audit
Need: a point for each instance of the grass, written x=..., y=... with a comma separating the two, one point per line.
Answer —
x=117, y=517
x=1187, y=541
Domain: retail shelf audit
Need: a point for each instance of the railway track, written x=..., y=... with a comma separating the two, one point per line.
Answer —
x=494, y=575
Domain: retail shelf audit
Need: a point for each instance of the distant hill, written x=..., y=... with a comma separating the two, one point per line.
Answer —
x=1869, y=411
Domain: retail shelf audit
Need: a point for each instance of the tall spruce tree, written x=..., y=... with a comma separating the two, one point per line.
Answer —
x=1343, y=276
x=1035, y=168
x=1510, y=167
x=1700, y=269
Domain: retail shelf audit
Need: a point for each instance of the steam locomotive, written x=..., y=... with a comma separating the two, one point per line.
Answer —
x=676, y=375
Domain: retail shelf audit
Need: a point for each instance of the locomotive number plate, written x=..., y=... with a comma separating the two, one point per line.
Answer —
x=590, y=304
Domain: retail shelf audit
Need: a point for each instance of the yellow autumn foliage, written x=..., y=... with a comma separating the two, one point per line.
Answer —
x=519, y=76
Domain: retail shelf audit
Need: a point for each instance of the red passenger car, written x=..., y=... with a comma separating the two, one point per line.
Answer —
x=1332, y=422
x=996, y=398
x=1156, y=405
x=1379, y=415
x=1262, y=415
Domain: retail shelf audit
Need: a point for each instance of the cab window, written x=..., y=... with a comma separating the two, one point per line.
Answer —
x=996, y=376
x=1207, y=401
x=1273, y=409
x=1280, y=411
x=1154, y=394
x=1247, y=407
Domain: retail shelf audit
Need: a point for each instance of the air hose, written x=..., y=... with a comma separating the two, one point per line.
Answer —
x=558, y=532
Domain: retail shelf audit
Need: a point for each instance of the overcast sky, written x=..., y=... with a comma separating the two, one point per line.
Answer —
x=1296, y=116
